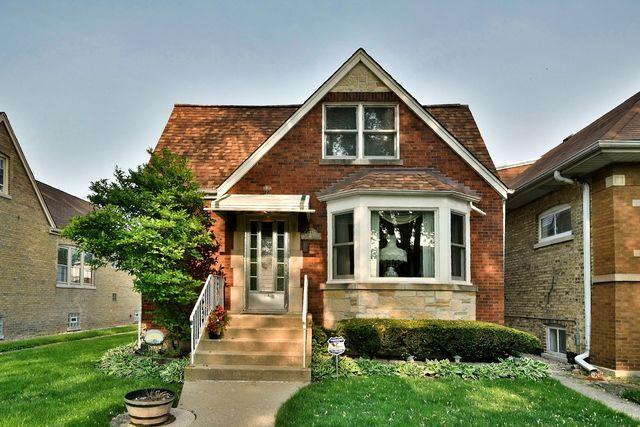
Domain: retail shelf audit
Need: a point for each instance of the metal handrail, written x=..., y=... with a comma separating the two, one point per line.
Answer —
x=305, y=295
x=211, y=296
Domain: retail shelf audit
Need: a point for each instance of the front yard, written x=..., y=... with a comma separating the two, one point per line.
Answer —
x=59, y=384
x=378, y=401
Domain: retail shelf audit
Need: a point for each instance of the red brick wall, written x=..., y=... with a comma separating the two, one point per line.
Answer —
x=293, y=166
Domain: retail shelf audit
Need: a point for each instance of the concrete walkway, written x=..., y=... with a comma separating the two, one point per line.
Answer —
x=235, y=403
x=585, y=388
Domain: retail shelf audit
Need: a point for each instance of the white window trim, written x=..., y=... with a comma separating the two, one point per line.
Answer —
x=73, y=328
x=548, y=333
x=465, y=245
x=363, y=205
x=360, y=130
x=557, y=238
x=5, y=177
x=68, y=283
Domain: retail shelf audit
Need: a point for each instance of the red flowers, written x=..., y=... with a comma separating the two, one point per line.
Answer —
x=218, y=320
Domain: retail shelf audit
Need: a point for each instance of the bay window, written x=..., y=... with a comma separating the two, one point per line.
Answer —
x=74, y=268
x=343, y=245
x=387, y=239
x=360, y=131
x=458, y=246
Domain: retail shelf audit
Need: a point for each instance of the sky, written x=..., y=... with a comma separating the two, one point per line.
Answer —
x=88, y=85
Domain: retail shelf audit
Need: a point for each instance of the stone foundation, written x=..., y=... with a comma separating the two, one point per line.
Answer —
x=342, y=304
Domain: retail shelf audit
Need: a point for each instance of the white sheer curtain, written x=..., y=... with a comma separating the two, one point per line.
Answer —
x=427, y=237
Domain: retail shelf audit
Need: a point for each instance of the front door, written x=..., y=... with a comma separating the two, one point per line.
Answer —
x=267, y=265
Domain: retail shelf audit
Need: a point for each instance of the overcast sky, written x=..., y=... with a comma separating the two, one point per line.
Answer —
x=89, y=85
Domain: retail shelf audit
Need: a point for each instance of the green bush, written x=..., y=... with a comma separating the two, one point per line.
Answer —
x=323, y=367
x=124, y=363
x=435, y=339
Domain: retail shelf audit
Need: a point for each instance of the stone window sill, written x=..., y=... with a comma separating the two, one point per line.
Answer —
x=400, y=286
x=552, y=242
x=65, y=286
x=5, y=196
x=394, y=162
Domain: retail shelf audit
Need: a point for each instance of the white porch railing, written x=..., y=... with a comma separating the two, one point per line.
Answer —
x=305, y=303
x=211, y=296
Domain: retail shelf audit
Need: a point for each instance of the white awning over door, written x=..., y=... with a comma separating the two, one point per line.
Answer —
x=262, y=203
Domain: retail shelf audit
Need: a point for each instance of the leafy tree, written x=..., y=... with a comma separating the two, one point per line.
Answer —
x=151, y=223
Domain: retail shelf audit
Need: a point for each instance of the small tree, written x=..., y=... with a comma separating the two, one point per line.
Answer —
x=151, y=223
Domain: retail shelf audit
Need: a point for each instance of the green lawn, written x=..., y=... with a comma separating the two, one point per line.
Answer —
x=69, y=336
x=59, y=384
x=389, y=401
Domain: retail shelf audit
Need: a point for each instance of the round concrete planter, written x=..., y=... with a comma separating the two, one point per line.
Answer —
x=149, y=406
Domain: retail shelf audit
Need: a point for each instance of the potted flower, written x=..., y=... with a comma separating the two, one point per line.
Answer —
x=218, y=320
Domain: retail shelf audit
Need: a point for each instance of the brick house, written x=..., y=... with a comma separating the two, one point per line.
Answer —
x=572, y=271
x=46, y=286
x=391, y=208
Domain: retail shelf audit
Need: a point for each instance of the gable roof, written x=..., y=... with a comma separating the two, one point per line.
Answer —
x=63, y=206
x=509, y=173
x=5, y=120
x=404, y=180
x=218, y=138
x=620, y=124
x=477, y=159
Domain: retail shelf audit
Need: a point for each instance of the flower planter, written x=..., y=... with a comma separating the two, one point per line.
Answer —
x=214, y=336
x=149, y=406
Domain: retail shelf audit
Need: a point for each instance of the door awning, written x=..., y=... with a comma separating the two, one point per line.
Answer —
x=262, y=203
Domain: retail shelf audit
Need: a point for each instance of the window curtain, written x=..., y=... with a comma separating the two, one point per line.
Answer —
x=427, y=237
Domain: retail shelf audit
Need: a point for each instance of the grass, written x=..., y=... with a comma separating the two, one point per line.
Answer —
x=66, y=337
x=60, y=385
x=633, y=395
x=393, y=401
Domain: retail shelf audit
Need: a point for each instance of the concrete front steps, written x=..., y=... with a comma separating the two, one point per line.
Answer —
x=254, y=347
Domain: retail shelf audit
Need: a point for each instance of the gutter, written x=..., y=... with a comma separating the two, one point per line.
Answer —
x=586, y=267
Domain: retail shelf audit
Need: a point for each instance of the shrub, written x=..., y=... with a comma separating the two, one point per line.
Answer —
x=324, y=368
x=124, y=363
x=435, y=339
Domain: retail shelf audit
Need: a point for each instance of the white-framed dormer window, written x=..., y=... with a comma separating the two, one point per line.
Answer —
x=4, y=174
x=554, y=223
x=360, y=131
x=556, y=341
x=74, y=268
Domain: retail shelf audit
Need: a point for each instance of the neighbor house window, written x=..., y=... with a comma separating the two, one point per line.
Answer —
x=556, y=340
x=74, y=321
x=357, y=131
x=555, y=223
x=403, y=244
x=458, y=246
x=74, y=267
x=4, y=174
x=114, y=297
x=1, y=328
x=343, y=253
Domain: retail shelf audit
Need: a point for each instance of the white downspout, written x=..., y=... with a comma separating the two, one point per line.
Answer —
x=586, y=267
x=586, y=260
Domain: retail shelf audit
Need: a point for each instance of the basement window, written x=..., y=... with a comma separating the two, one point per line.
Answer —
x=73, y=321
x=1, y=328
x=554, y=223
x=556, y=341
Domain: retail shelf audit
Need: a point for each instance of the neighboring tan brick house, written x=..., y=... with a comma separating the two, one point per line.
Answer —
x=391, y=208
x=581, y=200
x=45, y=286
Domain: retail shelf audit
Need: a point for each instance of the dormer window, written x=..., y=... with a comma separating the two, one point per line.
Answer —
x=360, y=131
